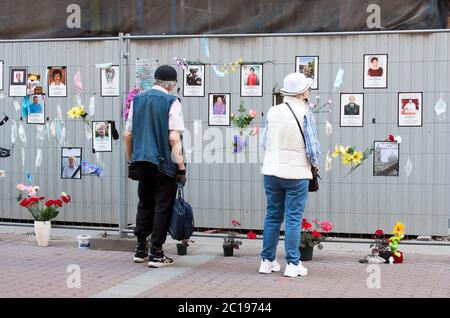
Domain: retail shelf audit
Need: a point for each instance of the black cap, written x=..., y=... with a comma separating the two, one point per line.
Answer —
x=166, y=73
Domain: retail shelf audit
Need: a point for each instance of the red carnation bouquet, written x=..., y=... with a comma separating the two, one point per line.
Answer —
x=40, y=209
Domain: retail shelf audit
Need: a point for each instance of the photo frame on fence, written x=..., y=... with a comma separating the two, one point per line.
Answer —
x=18, y=81
x=194, y=81
x=57, y=81
x=36, y=109
x=375, y=70
x=110, y=81
x=386, y=159
x=309, y=66
x=252, y=80
x=410, y=109
x=352, y=110
x=101, y=136
x=219, y=109
x=71, y=160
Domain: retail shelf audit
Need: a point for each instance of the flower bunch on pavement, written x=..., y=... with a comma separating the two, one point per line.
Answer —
x=311, y=235
x=40, y=209
x=231, y=238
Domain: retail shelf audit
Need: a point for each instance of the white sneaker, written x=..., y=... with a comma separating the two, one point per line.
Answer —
x=268, y=267
x=295, y=270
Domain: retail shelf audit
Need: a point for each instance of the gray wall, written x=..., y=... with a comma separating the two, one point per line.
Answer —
x=359, y=203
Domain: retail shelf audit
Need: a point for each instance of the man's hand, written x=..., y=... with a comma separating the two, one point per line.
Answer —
x=132, y=174
x=181, y=177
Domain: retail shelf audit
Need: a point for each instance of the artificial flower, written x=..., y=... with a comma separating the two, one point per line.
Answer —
x=20, y=187
x=251, y=235
x=357, y=157
x=326, y=226
x=399, y=229
x=336, y=152
x=252, y=113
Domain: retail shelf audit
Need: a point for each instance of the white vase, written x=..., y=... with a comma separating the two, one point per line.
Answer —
x=42, y=231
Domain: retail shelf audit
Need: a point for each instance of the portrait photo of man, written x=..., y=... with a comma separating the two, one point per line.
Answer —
x=193, y=78
x=71, y=163
x=351, y=108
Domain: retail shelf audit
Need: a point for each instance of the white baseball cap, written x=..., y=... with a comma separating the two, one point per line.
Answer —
x=296, y=83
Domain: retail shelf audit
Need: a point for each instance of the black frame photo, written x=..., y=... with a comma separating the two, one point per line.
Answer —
x=252, y=80
x=220, y=119
x=55, y=90
x=305, y=71
x=110, y=81
x=351, y=114
x=194, y=84
x=34, y=117
x=101, y=139
x=67, y=153
x=387, y=163
x=17, y=88
x=382, y=67
x=410, y=109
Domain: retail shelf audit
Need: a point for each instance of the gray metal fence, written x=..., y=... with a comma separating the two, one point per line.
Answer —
x=360, y=203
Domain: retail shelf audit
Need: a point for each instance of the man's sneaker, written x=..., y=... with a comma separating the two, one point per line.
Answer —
x=158, y=259
x=141, y=252
x=268, y=267
x=295, y=270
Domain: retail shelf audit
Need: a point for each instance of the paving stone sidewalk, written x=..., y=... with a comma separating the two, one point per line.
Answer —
x=30, y=271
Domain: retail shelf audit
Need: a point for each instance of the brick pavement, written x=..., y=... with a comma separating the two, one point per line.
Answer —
x=30, y=271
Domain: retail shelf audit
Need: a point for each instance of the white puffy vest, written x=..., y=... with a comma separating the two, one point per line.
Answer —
x=285, y=149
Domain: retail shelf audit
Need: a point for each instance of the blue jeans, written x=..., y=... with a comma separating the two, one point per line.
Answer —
x=286, y=199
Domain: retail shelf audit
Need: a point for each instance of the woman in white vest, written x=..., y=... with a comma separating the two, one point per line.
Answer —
x=287, y=171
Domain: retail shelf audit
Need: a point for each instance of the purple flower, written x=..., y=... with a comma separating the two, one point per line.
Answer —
x=238, y=144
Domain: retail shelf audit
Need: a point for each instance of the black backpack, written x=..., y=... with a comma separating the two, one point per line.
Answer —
x=182, y=221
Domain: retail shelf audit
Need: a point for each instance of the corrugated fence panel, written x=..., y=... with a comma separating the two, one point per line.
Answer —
x=219, y=190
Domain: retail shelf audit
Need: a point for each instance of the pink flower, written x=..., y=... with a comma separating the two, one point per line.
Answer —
x=317, y=221
x=326, y=226
x=252, y=113
x=330, y=101
x=255, y=131
x=20, y=187
x=235, y=222
x=311, y=105
x=379, y=232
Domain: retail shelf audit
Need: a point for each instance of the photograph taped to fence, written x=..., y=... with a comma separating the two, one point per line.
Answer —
x=110, y=82
x=194, y=81
x=386, y=159
x=71, y=159
x=252, y=80
x=102, y=141
x=57, y=81
x=18, y=82
x=36, y=109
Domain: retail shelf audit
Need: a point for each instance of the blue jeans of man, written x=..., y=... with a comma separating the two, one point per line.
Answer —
x=286, y=200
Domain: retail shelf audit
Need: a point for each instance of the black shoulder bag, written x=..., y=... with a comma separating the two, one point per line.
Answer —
x=314, y=183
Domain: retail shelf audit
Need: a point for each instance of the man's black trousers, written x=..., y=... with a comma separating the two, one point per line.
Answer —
x=156, y=193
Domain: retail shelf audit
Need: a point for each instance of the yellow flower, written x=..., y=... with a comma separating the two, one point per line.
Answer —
x=342, y=150
x=357, y=157
x=336, y=152
x=399, y=229
x=347, y=159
